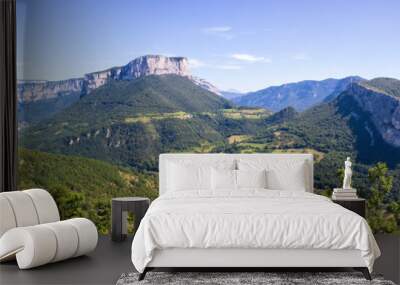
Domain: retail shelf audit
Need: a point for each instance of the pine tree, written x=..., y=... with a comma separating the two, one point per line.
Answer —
x=381, y=183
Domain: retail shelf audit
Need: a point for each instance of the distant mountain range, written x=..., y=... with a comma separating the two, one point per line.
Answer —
x=231, y=94
x=39, y=100
x=114, y=124
x=128, y=115
x=301, y=95
x=363, y=120
x=129, y=122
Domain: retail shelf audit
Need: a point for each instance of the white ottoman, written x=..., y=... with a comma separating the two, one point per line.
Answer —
x=33, y=243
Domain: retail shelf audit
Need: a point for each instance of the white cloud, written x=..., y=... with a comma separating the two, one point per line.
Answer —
x=301, y=56
x=249, y=57
x=195, y=63
x=219, y=31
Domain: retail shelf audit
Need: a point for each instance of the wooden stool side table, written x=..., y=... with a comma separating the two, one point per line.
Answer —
x=119, y=214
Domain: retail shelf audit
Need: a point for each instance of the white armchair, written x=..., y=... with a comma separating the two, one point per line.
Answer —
x=31, y=230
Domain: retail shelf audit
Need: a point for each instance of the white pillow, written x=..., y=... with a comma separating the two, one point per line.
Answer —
x=251, y=178
x=293, y=180
x=185, y=178
x=223, y=179
x=285, y=174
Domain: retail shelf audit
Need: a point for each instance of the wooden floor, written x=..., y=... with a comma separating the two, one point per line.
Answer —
x=111, y=259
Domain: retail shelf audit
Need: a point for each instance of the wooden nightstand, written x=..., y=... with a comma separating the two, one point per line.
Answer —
x=356, y=205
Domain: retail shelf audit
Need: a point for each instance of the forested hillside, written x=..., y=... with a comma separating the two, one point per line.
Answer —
x=83, y=187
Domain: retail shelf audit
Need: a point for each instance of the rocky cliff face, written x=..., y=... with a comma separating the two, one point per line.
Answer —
x=383, y=109
x=141, y=66
x=29, y=91
x=155, y=65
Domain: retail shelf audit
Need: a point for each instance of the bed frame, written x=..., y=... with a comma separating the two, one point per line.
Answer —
x=246, y=259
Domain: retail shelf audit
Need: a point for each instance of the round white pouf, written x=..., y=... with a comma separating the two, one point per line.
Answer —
x=51, y=242
x=33, y=246
x=87, y=234
x=67, y=240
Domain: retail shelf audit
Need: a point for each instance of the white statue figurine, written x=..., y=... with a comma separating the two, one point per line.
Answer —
x=347, y=174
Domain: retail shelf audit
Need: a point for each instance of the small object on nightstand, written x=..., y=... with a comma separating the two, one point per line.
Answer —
x=345, y=194
x=348, y=173
x=119, y=213
x=357, y=205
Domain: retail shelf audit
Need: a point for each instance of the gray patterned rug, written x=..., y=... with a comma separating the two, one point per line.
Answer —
x=269, y=278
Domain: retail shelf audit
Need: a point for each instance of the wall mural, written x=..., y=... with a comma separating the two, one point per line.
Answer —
x=106, y=86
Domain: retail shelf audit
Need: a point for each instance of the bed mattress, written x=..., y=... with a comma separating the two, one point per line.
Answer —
x=250, y=219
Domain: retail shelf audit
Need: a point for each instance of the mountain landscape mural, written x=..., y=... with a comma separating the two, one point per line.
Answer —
x=113, y=124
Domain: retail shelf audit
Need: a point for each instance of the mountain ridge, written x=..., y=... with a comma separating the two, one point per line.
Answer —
x=386, y=85
x=360, y=121
x=299, y=95
x=380, y=99
x=130, y=122
x=41, y=99
x=34, y=90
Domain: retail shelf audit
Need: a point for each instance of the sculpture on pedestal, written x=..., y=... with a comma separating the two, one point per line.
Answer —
x=347, y=174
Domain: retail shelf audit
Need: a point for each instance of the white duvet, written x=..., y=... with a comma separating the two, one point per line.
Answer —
x=250, y=219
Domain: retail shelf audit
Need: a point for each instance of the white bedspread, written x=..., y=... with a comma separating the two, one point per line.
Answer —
x=250, y=219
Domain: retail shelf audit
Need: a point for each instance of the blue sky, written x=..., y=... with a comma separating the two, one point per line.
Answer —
x=235, y=44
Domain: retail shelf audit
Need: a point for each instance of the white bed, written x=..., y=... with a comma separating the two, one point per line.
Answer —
x=249, y=226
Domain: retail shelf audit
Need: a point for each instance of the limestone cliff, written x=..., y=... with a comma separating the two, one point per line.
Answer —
x=141, y=66
x=382, y=106
x=29, y=91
